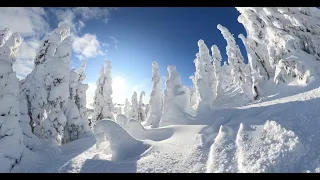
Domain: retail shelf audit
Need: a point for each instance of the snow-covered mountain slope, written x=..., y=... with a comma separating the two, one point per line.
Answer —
x=277, y=135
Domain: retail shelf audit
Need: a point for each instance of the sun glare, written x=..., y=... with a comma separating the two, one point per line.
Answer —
x=119, y=87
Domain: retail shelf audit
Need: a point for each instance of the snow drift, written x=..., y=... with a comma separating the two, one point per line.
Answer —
x=122, y=144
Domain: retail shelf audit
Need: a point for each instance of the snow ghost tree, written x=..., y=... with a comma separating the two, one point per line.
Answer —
x=141, y=108
x=76, y=124
x=253, y=67
x=98, y=98
x=200, y=72
x=286, y=40
x=107, y=111
x=81, y=99
x=216, y=55
x=127, y=108
x=30, y=140
x=206, y=97
x=176, y=99
x=134, y=114
x=57, y=82
x=11, y=138
x=236, y=61
x=35, y=86
x=206, y=61
x=103, y=105
x=156, y=98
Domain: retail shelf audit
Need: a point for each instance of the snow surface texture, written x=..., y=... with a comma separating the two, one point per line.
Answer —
x=139, y=132
x=261, y=137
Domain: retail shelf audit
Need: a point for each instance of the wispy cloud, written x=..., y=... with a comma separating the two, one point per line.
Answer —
x=87, y=46
x=115, y=41
x=77, y=16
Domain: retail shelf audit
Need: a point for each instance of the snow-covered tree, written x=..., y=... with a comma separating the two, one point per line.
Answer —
x=197, y=75
x=216, y=55
x=236, y=61
x=206, y=60
x=205, y=104
x=176, y=99
x=103, y=105
x=127, y=108
x=57, y=82
x=147, y=109
x=253, y=65
x=30, y=140
x=156, y=98
x=98, y=102
x=235, y=58
x=81, y=99
x=107, y=110
x=134, y=113
x=141, y=108
x=286, y=40
x=11, y=137
x=227, y=80
x=35, y=87
x=72, y=112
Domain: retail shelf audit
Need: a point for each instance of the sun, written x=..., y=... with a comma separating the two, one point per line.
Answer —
x=119, y=88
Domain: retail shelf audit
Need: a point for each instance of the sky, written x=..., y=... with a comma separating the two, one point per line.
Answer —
x=131, y=38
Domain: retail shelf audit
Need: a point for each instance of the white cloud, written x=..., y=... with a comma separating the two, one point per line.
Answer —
x=77, y=16
x=31, y=24
x=24, y=20
x=87, y=46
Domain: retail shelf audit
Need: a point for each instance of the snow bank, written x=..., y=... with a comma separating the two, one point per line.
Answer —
x=122, y=144
x=139, y=132
x=267, y=148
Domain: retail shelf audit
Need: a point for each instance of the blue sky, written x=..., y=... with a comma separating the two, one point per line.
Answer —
x=131, y=38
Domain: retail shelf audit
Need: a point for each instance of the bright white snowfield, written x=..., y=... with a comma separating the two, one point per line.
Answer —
x=236, y=118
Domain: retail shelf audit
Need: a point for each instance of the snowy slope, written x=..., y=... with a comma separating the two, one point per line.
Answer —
x=280, y=135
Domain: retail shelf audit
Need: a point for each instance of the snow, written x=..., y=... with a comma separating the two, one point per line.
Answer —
x=122, y=144
x=156, y=98
x=136, y=130
x=260, y=117
x=11, y=137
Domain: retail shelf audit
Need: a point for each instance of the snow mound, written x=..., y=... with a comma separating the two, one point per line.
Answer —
x=267, y=148
x=138, y=131
x=122, y=144
x=122, y=121
x=221, y=156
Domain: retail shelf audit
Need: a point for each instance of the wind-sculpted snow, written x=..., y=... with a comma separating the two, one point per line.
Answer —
x=255, y=149
x=122, y=144
x=267, y=148
x=122, y=121
x=222, y=153
x=139, y=132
